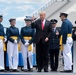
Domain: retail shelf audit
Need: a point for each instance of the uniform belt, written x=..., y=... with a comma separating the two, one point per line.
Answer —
x=14, y=37
x=27, y=38
x=30, y=46
x=69, y=35
x=61, y=47
x=2, y=37
x=19, y=46
x=4, y=45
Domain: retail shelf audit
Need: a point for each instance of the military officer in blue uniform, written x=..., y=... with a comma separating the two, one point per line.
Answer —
x=12, y=45
x=54, y=45
x=27, y=34
x=2, y=40
x=66, y=32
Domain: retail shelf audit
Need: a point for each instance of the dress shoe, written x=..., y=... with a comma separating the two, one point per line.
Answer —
x=3, y=70
x=66, y=71
x=39, y=70
x=25, y=70
x=11, y=70
x=16, y=70
x=53, y=70
x=31, y=70
x=45, y=70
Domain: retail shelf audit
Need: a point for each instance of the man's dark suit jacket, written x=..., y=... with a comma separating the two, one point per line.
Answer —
x=41, y=34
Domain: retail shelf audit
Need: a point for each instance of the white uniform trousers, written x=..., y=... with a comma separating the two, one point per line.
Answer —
x=67, y=54
x=12, y=50
x=1, y=55
x=25, y=54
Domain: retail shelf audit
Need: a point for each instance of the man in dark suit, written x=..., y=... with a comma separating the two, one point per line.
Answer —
x=41, y=38
x=54, y=45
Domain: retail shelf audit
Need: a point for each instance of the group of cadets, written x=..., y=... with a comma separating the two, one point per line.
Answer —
x=48, y=38
x=13, y=37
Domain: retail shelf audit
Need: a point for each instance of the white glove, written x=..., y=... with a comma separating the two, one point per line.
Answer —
x=75, y=32
x=46, y=39
x=15, y=41
x=26, y=44
x=5, y=39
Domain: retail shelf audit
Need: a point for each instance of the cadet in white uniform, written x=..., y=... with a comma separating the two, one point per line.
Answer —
x=12, y=45
x=66, y=32
x=2, y=40
x=27, y=34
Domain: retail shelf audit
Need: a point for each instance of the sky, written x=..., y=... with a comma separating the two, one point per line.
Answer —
x=18, y=9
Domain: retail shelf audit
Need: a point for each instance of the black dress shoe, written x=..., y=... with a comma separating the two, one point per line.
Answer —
x=54, y=70
x=39, y=70
x=25, y=70
x=11, y=70
x=31, y=69
x=3, y=70
x=45, y=70
x=16, y=70
x=66, y=71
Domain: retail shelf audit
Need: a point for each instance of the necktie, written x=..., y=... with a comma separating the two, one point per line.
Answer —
x=42, y=25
